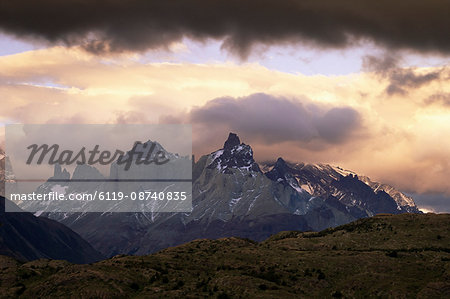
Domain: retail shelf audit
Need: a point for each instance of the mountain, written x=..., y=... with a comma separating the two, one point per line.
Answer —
x=234, y=196
x=321, y=180
x=231, y=185
x=404, y=202
x=6, y=172
x=397, y=256
x=340, y=193
x=26, y=237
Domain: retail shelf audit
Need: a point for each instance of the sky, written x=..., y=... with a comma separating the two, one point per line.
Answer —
x=355, y=83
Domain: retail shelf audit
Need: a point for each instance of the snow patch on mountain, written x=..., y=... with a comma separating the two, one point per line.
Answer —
x=59, y=189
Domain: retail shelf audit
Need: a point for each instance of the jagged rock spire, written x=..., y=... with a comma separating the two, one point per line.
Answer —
x=280, y=164
x=233, y=155
x=279, y=170
x=59, y=173
x=232, y=141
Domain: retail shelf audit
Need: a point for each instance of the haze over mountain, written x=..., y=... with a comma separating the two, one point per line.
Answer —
x=234, y=196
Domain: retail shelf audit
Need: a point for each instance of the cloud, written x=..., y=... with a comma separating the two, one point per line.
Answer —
x=337, y=124
x=438, y=98
x=434, y=202
x=137, y=25
x=380, y=64
x=277, y=119
x=401, y=80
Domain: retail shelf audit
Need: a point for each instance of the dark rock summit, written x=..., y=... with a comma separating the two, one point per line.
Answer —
x=279, y=170
x=231, y=142
x=60, y=174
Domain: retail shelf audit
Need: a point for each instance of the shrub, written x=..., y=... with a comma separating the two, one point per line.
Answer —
x=392, y=253
x=262, y=287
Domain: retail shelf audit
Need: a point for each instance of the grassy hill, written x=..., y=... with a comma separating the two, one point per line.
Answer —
x=400, y=256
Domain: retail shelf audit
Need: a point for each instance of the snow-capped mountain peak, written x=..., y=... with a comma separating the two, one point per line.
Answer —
x=233, y=155
x=326, y=181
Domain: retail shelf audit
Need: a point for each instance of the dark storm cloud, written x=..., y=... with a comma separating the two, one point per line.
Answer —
x=273, y=119
x=400, y=79
x=142, y=24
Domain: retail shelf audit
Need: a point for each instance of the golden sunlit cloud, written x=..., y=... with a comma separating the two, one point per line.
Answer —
x=400, y=136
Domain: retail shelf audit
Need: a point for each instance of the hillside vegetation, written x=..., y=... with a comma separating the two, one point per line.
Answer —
x=399, y=256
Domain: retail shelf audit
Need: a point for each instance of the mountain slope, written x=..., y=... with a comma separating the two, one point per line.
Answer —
x=399, y=256
x=26, y=237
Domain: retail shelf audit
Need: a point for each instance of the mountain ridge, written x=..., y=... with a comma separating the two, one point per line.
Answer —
x=234, y=196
